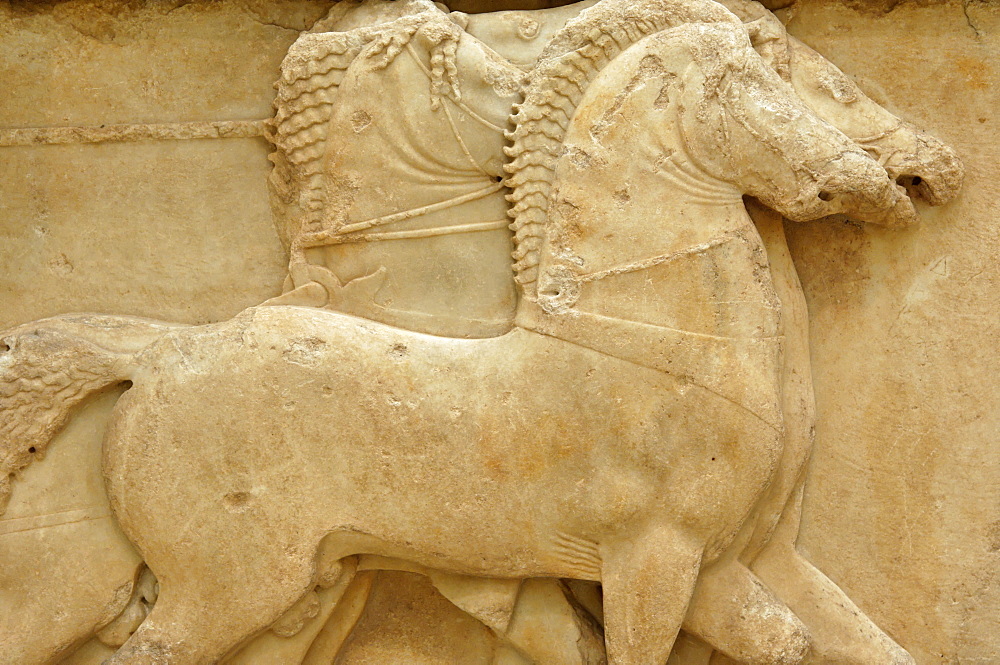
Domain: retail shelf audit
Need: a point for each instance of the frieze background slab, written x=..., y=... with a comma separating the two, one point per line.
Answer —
x=902, y=504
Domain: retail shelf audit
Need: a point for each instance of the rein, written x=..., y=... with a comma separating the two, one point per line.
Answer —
x=433, y=232
x=352, y=232
x=693, y=358
x=644, y=264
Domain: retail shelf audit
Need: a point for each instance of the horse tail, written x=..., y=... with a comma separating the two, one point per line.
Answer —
x=50, y=366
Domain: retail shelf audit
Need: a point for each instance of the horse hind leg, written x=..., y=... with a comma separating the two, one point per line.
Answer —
x=314, y=637
x=347, y=610
x=551, y=629
x=200, y=623
x=648, y=583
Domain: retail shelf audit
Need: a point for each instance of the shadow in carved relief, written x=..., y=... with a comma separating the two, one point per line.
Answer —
x=609, y=431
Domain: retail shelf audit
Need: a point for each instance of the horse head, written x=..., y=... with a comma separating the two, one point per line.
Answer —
x=921, y=163
x=697, y=106
x=742, y=124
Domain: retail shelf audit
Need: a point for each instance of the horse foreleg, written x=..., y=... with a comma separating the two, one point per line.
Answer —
x=689, y=650
x=648, y=582
x=737, y=614
x=307, y=639
x=841, y=634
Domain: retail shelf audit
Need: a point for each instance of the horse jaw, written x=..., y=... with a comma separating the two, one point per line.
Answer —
x=860, y=189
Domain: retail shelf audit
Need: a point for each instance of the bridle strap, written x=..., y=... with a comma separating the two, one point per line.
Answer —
x=458, y=102
x=644, y=264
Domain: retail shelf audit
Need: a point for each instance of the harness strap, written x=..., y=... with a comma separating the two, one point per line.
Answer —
x=656, y=260
x=708, y=361
x=423, y=233
x=326, y=237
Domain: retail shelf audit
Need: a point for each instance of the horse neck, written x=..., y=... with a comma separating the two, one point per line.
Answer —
x=637, y=214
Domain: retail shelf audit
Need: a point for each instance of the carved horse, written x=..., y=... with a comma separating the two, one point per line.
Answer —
x=633, y=437
x=906, y=153
x=390, y=141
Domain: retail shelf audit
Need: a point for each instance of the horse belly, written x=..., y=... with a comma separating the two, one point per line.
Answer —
x=457, y=479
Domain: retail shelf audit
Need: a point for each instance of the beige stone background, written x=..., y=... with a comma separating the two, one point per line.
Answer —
x=903, y=501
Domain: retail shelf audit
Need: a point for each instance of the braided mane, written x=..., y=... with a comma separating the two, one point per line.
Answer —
x=311, y=74
x=570, y=63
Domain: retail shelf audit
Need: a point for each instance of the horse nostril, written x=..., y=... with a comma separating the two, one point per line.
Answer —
x=825, y=196
x=912, y=185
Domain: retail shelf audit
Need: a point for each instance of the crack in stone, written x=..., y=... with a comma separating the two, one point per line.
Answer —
x=968, y=18
x=278, y=25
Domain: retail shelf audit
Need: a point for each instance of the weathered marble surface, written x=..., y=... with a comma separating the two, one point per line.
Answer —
x=901, y=501
x=907, y=390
